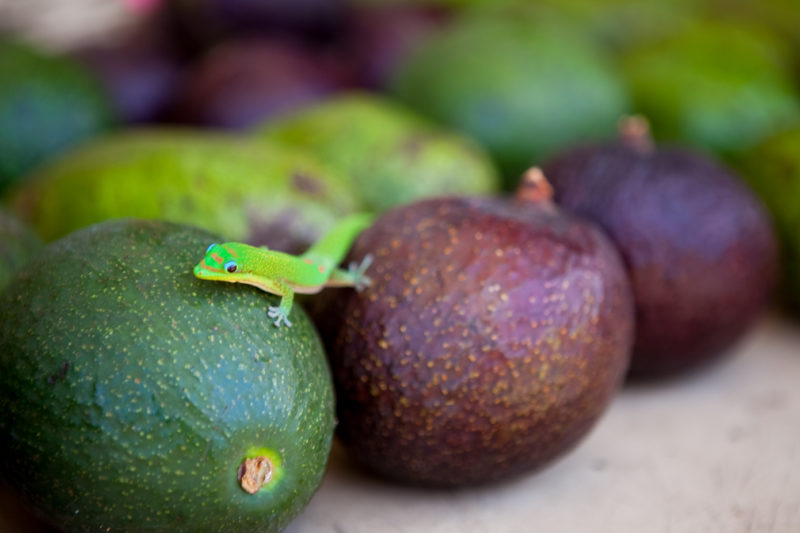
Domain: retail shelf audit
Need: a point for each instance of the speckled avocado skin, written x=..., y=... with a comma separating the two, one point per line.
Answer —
x=699, y=246
x=492, y=339
x=132, y=391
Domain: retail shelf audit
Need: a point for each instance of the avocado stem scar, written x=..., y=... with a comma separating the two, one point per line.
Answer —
x=254, y=473
x=634, y=132
x=534, y=188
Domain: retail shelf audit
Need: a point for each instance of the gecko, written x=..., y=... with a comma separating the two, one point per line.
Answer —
x=284, y=274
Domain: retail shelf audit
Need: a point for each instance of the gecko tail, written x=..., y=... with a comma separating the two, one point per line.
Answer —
x=332, y=247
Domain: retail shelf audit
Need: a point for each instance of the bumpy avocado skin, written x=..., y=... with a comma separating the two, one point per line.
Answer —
x=492, y=339
x=522, y=87
x=47, y=104
x=721, y=86
x=391, y=155
x=17, y=244
x=699, y=246
x=246, y=191
x=132, y=391
x=773, y=170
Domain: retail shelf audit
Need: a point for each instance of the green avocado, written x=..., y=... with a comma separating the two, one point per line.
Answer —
x=780, y=16
x=616, y=24
x=524, y=87
x=47, y=104
x=17, y=244
x=391, y=155
x=133, y=394
x=245, y=190
x=773, y=170
x=721, y=86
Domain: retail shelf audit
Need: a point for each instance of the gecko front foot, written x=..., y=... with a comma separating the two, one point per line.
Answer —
x=279, y=316
x=358, y=271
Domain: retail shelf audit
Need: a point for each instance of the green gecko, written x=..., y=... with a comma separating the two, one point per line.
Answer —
x=284, y=274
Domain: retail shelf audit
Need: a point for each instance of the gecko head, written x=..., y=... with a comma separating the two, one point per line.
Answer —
x=221, y=262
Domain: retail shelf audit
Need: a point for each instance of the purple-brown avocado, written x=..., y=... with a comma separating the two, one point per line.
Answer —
x=698, y=245
x=493, y=336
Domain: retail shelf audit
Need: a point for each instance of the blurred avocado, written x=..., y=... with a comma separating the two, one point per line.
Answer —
x=616, y=24
x=243, y=190
x=47, y=104
x=381, y=37
x=243, y=82
x=698, y=245
x=780, y=16
x=717, y=85
x=523, y=86
x=203, y=23
x=17, y=244
x=391, y=155
x=140, y=68
x=773, y=170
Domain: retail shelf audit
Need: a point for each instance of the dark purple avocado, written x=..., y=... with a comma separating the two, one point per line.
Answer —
x=493, y=337
x=245, y=82
x=699, y=246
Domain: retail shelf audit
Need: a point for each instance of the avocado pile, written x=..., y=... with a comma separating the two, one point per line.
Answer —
x=567, y=196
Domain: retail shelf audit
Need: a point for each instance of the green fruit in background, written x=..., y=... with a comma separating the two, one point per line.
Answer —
x=780, y=16
x=616, y=24
x=17, y=244
x=523, y=87
x=47, y=104
x=773, y=170
x=391, y=155
x=719, y=86
x=132, y=393
x=244, y=190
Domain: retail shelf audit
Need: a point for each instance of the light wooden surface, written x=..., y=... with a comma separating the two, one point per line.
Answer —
x=717, y=452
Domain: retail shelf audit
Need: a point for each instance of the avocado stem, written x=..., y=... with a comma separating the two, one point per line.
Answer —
x=534, y=187
x=634, y=132
x=254, y=473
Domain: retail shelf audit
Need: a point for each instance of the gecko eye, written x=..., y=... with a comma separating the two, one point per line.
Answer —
x=210, y=247
x=230, y=266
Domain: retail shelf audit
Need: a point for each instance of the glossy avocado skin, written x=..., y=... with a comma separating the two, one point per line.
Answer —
x=491, y=340
x=698, y=245
x=132, y=391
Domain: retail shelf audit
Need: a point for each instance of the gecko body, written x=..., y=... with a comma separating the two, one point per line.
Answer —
x=285, y=274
